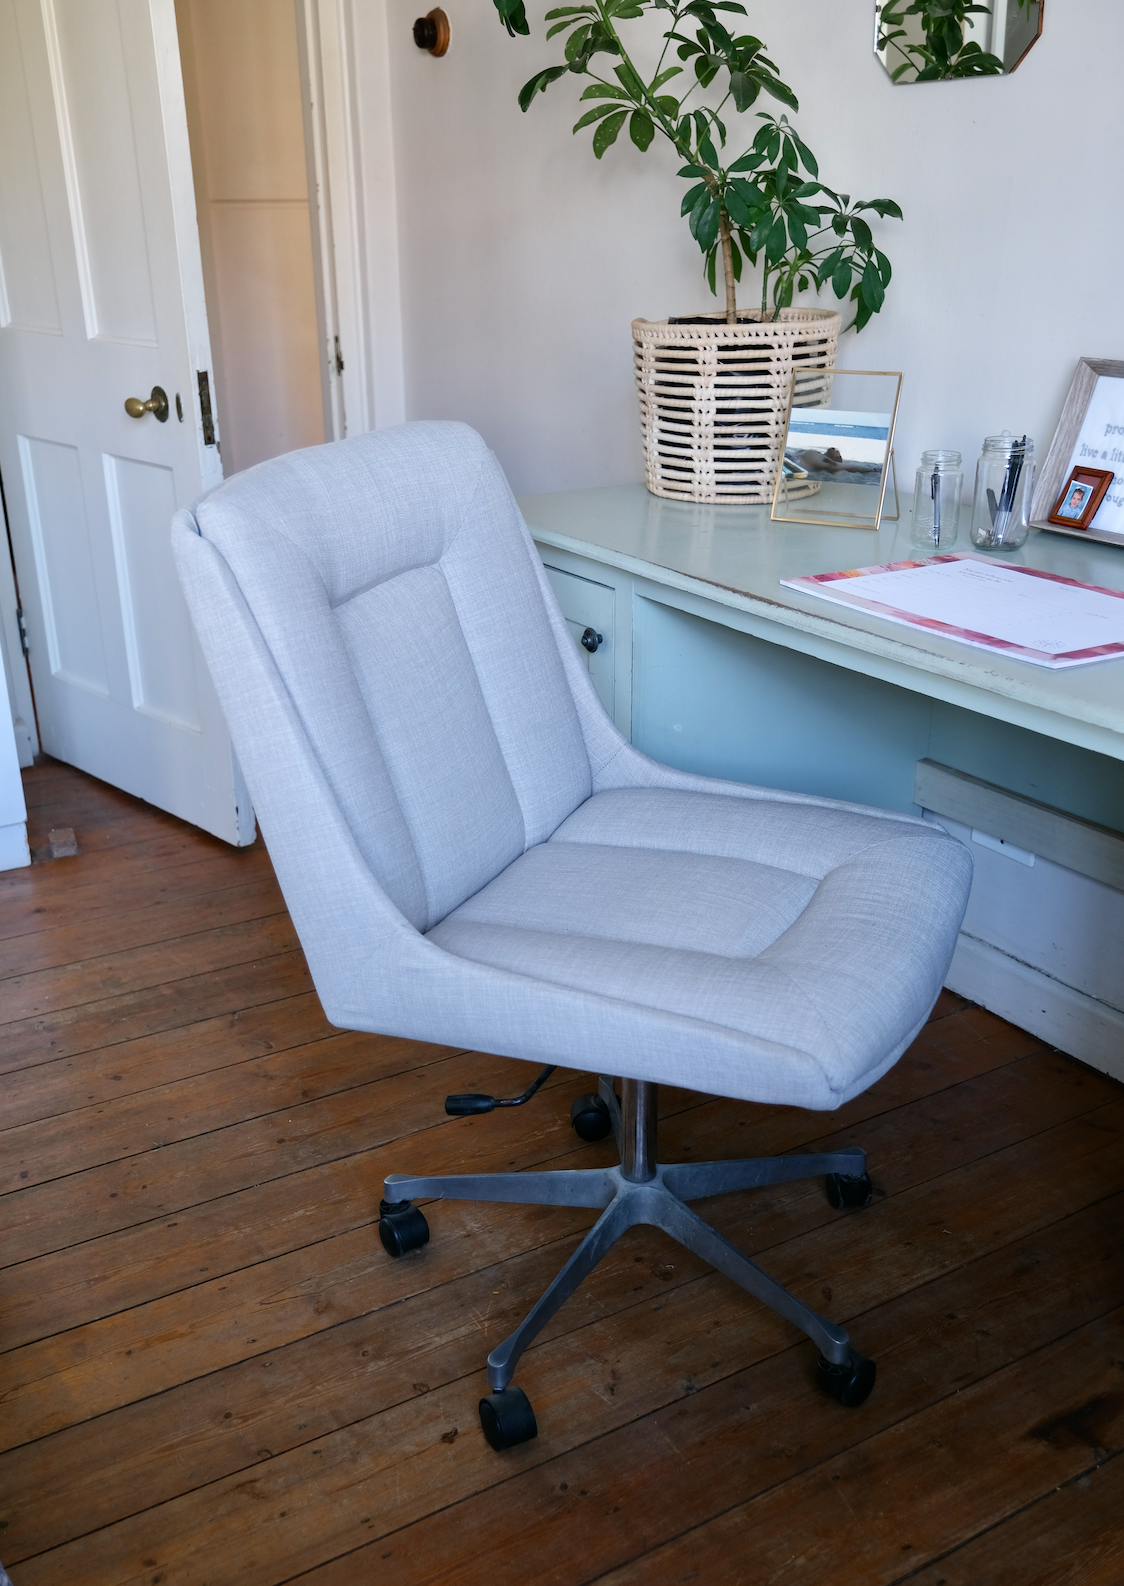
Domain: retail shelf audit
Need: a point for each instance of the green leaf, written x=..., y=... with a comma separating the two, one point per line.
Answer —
x=691, y=198
x=762, y=228
x=862, y=234
x=668, y=105
x=706, y=148
x=606, y=133
x=711, y=264
x=640, y=129
x=796, y=229
x=658, y=82
x=826, y=266
x=704, y=223
x=775, y=242
x=748, y=162
x=807, y=157
x=578, y=38
x=873, y=292
x=596, y=115
x=629, y=80
x=604, y=91
x=841, y=278
x=753, y=198
x=781, y=91
x=706, y=70
x=539, y=84
x=737, y=208
x=743, y=90
x=513, y=16
x=862, y=311
x=884, y=207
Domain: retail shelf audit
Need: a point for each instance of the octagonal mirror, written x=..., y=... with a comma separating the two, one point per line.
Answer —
x=929, y=41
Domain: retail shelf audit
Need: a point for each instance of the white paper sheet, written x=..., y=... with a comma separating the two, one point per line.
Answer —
x=1034, y=616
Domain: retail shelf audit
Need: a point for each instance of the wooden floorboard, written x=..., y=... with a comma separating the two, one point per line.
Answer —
x=210, y=1372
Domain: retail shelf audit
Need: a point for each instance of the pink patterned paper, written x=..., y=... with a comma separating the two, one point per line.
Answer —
x=819, y=584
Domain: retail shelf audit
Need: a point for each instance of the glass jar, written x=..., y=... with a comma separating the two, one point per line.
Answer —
x=936, y=500
x=1004, y=485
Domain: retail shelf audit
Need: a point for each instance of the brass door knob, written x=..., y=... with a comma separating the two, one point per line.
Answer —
x=157, y=404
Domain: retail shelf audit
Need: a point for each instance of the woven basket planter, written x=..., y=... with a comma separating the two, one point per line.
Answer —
x=713, y=399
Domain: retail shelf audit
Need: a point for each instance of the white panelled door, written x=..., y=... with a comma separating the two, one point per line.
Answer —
x=101, y=299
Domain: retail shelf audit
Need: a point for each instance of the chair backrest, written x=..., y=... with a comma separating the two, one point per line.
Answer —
x=394, y=584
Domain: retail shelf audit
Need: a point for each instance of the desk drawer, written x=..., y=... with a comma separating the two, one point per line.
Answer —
x=586, y=604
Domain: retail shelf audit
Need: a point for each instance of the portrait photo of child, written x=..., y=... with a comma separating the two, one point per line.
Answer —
x=1084, y=491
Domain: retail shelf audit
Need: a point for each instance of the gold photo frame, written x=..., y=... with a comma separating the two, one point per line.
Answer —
x=838, y=453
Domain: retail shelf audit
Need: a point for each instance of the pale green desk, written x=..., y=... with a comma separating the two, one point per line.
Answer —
x=712, y=657
x=707, y=663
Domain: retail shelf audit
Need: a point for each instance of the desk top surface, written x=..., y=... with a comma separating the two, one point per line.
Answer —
x=736, y=556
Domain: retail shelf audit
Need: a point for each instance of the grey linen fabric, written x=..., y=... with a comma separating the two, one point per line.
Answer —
x=473, y=854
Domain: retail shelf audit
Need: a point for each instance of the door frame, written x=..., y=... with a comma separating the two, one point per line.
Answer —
x=353, y=204
x=20, y=696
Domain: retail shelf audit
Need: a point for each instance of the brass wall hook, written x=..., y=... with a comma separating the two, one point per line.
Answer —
x=431, y=32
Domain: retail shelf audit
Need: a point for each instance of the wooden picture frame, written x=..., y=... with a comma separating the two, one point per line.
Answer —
x=1059, y=459
x=1082, y=494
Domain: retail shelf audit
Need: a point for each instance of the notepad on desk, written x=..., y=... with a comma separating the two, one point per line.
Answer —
x=1016, y=611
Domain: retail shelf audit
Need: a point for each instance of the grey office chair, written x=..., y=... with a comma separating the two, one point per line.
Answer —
x=472, y=854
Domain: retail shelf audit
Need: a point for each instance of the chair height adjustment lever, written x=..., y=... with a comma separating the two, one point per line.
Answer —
x=472, y=1101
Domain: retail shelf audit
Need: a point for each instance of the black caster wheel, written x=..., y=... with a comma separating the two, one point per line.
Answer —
x=401, y=1227
x=591, y=1118
x=507, y=1418
x=851, y=1382
x=849, y=1189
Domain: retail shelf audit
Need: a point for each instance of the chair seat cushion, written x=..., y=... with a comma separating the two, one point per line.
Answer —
x=700, y=903
x=808, y=927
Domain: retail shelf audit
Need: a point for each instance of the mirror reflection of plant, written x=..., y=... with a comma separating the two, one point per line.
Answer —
x=760, y=206
x=943, y=54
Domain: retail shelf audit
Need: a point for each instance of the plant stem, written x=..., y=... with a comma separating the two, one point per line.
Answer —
x=728, y=268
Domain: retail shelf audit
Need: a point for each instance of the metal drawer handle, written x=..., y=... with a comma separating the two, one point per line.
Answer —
x=591, y=639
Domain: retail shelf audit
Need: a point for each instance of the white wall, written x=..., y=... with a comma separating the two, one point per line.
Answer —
x=523, y=259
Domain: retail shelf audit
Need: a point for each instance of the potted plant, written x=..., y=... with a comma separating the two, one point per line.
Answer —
x=713, y=388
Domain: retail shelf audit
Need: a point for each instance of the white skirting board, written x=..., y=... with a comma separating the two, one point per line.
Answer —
x=14, y=851
x=1068, y=1019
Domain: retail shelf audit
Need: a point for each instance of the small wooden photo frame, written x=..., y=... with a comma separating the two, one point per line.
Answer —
x=1084, y=491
